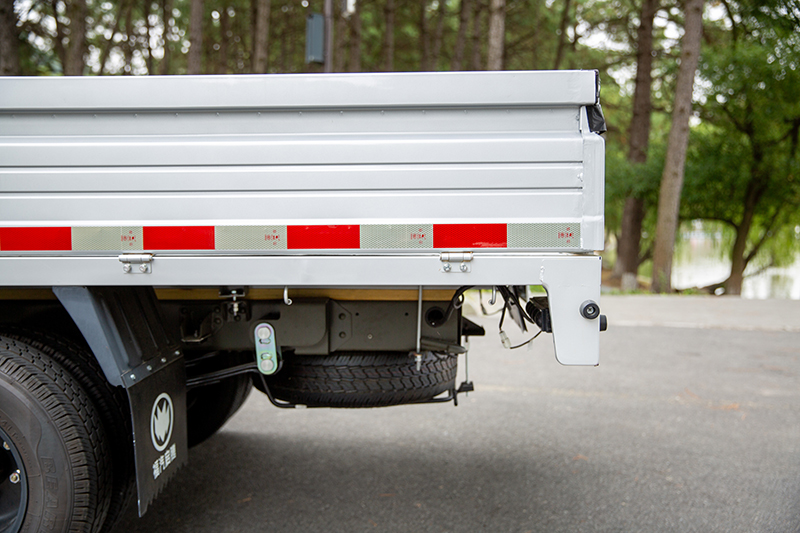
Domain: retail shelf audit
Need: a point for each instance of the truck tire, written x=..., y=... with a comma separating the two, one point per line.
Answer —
x=210, y=406
x=362, y=379
x=111, y=404
x=54, y=438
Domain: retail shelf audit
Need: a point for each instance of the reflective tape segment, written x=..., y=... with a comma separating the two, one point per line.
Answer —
x=122, y=238
x=179, y=237
x=250, y=237
x=35, y=239
x=323, y=237
x=545, y=236
x=397, y=237
x=470, y=236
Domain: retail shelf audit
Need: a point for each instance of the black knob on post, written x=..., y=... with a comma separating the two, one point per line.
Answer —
x=590, y=309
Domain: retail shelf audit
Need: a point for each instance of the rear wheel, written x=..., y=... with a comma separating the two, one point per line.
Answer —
x=111, y=404
x=13, y=485
x=54, y=446
x=362, y=379
x=210, y=406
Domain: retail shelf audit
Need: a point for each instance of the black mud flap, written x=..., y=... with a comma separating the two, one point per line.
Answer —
x=157, y=394
x=124, y=329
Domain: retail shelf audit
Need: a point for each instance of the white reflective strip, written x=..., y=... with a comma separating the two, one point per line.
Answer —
x=544, y=235
x=250, y=237
x=396, y=236
x=373, y=237
x=120, y=238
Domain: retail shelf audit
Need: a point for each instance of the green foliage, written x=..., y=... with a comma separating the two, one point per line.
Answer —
x=743, y=158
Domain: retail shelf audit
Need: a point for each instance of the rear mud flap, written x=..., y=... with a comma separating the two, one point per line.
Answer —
x=124, y=329
x=157, y=395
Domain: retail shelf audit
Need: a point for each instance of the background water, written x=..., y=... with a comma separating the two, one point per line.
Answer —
x=699, y=262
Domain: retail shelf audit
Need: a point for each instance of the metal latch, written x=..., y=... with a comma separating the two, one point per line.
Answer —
x=143, y=260
x=463, y=258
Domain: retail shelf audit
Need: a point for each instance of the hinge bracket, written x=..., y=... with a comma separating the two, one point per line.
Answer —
x=463, y=258
x=144, y=262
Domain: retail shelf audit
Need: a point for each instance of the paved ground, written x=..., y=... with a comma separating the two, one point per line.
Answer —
x=685, y=426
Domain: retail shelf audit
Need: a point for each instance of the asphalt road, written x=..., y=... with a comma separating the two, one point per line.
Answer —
x=690, y=423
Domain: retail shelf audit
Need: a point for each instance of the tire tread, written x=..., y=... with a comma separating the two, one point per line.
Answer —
x=73, y=414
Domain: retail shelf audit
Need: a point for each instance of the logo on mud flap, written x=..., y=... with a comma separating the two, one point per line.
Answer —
x=161, y=421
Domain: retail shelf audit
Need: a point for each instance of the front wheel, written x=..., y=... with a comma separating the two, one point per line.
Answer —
x=54, y=457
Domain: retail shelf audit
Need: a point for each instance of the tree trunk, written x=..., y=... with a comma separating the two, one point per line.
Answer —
x=148, y=33
x=629, y=243
x=261, y=37
x=388, y=36
x=76, y=49
x=497, y=34
x=424, y=38
x=130, y=41
x=628, y=246
x=441, y=14
x=562, y=35
x=733, y=285
x=642, y=96
x=224, y=28
x=464, y=15
x=284, y=65
x=669, y=199
x=9, y=40
x=354, y=61
x=58, y=43
x=166, y=7
x=475, y=59
x=756, y=188
x=340, y=38
x=536, y=14
x=194, y=63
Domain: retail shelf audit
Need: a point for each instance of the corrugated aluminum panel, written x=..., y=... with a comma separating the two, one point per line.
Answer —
x=99, y=159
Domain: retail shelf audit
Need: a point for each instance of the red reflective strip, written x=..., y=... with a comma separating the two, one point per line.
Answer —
x=323, y=237
x=35, y=239
x=178, y=237
x=469, y=236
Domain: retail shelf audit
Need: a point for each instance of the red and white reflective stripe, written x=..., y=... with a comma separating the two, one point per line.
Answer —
x=258, y=238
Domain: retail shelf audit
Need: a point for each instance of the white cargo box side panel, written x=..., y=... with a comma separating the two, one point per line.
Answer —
x=490, y=161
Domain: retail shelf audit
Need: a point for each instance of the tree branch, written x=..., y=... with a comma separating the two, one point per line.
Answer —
x=764, y=236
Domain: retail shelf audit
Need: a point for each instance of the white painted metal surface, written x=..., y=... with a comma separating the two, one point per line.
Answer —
x=421, y=148
x=569, y=280
x=303, y=91
x=385, y=151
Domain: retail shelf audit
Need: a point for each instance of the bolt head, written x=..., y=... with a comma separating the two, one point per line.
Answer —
x=133, y=376
x=446, y=267
x=142, y=268
x=267, y=365
x=464, y=267
x=149, y=367
x=126, y=268
x=163, y=359
x=14, y=478
x=590, y=310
